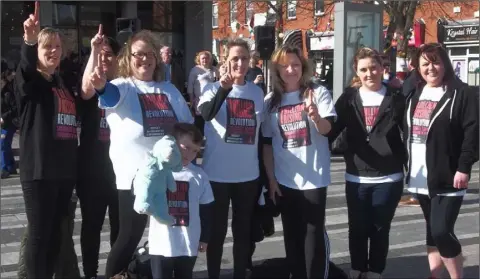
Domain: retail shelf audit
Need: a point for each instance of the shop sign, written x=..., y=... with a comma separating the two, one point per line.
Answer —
x=461, y=33
x=321, y=43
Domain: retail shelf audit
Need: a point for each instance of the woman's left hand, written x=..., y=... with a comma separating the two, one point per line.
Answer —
x=311, y=107
x=460, y=181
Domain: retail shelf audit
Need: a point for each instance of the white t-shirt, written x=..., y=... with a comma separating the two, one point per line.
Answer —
x=420, y=125
x=144, y=113
x=182, y=239
x=231, y=152
x=301, y=154
x=371, y=101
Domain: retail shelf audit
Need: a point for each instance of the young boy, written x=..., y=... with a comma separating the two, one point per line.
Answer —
x=174, y=248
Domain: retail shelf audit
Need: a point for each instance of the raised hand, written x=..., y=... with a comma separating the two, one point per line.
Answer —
x=98, y=78
x=226, y=80
x=311, y=107
x=97, y=40
x=31, y=26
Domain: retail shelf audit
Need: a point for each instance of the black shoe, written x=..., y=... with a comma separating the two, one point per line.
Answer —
x=5, y=174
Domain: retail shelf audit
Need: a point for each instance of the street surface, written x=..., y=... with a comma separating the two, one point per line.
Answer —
x=407, y=257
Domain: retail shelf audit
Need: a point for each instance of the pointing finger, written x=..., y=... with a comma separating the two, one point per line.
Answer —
x=100, y=29
x=37, y=10
x=229, y=69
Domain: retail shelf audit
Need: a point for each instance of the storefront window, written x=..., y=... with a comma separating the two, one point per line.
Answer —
x=473, y=50
x=458, y=51
x=64, y=14
x=473, y=72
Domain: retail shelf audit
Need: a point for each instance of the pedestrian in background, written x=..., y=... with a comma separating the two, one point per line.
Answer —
x=9, y=120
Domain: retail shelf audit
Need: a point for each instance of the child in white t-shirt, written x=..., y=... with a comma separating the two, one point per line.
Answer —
x=174, y=248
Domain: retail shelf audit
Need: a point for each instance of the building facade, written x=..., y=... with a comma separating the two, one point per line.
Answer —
x=186, y=27
x=315, y=20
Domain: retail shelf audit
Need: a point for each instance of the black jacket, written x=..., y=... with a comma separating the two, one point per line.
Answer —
x=376, y=153
x=9, y=107
x=452, y=139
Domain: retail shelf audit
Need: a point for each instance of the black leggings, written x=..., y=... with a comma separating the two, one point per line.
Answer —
x=46, y=204
x=244, y=196
x=132, y=226
x=440, y=214
x=306, y=242
x=95, y=197
x=172, y=267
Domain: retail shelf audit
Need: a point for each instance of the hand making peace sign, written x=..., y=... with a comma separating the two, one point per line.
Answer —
x=31, y=26
x=226, y=80
x=98, y=79
x=311, y=107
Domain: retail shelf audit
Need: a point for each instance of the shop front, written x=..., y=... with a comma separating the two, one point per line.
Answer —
x=320, y=46
x=461, y=39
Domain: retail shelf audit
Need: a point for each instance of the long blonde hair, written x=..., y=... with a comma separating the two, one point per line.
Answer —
x=278, y=57
x=363, y=53
x=124, y=70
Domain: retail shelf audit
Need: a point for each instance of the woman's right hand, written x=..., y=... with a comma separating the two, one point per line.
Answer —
x=226, y=80
x=97, y=40
x=98, y=79
x=31, y=26
x=274, y=190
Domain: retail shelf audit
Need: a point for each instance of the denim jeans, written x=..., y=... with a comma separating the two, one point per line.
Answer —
x=8, y=161
x=371, y=208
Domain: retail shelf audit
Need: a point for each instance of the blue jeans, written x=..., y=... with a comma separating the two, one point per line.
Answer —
x=8, y=161
x=371, y=208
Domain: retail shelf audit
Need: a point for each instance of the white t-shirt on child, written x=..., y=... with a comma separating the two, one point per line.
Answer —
x=182, y=239
x=144, y=114
x=301, y=154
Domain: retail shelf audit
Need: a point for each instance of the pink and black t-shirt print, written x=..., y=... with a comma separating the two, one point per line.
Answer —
x=241, y=125
x=65, y=121
x=103, y=129
x=178, y=204
x=421, y=120
x=294, y=126
x=370, y=113
x=158, y=114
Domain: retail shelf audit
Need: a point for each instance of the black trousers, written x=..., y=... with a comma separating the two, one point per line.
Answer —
x=132, y=226
x=440, y=214
x=95, y=197
x=371, y=208
x=244, y=196
x=172, y=267
x=46, y=206
x=306, y=242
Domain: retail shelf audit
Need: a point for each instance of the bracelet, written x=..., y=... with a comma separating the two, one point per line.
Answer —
x=28, y=43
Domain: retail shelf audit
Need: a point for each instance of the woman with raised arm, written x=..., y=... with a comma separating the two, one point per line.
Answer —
x=298, y=115
x=371, y=113
x=96, y=188
x=232, y=109
x=140, y=109
x=48, y=144
x=441, y=136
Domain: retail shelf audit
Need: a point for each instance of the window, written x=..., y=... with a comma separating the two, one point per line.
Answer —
x=64, y=14
x=215, y=15
x=292, y=10
x=249, y=11
x=233, y=10
x=319, y=7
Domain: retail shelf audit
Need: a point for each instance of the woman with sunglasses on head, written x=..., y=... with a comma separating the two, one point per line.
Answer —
x=96, y=188
x=441, y=136
x=298, y=115
x=232, y=109
x=48, y=144
x=372, y=114
x=140, y=109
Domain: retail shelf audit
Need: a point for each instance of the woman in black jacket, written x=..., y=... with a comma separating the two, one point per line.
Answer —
x=441, y=136
x=48, y=144
x=372, y=114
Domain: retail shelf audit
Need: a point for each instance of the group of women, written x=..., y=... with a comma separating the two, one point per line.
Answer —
x=439, y=145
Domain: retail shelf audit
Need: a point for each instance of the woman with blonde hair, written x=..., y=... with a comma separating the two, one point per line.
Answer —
x=200, y=75
x=48, y=144
x=140, y=109
x=297, y=160
x=371, y=114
